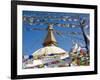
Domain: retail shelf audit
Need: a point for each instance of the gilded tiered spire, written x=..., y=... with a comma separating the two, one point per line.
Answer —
x=50, y=39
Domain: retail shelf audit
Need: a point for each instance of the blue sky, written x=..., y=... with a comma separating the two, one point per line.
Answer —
x=33, y=39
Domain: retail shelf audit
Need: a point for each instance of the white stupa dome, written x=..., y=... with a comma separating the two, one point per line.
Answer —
x=49, y=50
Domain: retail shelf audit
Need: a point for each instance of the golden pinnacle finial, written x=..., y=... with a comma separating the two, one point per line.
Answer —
x=50, y=39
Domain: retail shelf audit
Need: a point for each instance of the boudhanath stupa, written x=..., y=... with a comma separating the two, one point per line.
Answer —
x=50, y=45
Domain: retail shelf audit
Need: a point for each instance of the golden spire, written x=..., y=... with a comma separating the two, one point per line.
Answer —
x=50, y=39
